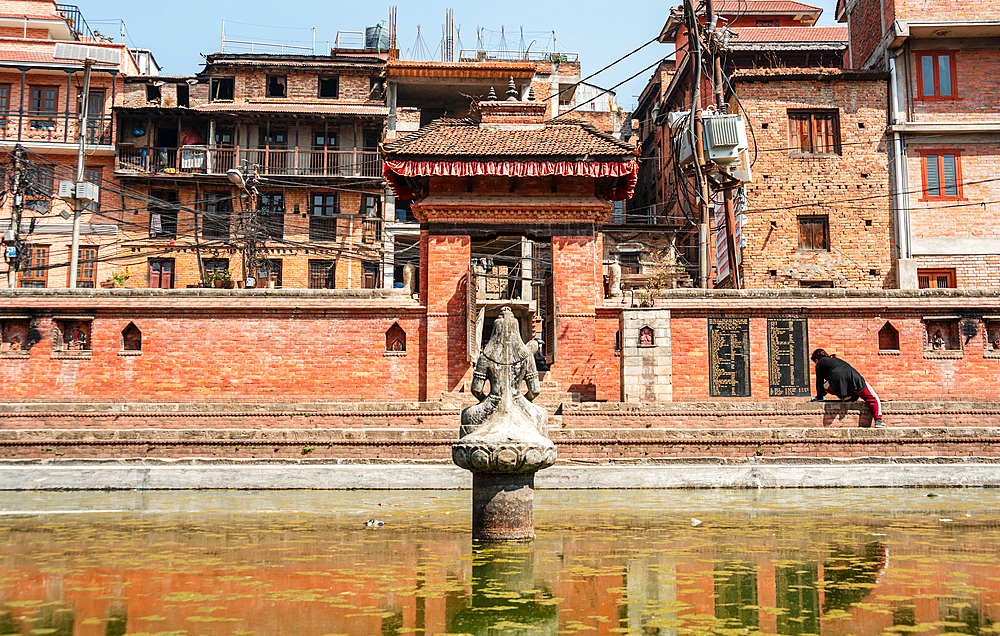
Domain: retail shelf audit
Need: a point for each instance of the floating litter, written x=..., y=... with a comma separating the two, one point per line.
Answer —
x=945, y=519
x=374, y=523
x=695, y=522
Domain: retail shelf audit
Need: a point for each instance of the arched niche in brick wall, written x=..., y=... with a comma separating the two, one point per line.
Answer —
x=395, y=339
x=131, y=338
x=888, y=338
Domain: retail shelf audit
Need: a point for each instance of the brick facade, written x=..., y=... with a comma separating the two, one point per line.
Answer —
x=789, y=185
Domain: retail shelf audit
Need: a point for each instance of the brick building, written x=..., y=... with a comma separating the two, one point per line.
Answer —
x=40, y=100
x=944, y=129
x=815, y=212
x=311, y=124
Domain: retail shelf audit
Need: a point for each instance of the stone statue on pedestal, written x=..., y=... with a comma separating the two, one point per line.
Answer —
x=504, y=437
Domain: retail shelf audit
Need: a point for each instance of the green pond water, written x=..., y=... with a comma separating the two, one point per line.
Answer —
x=832, y=562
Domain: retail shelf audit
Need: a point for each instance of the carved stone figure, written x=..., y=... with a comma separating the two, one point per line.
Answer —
x=505, y=432
x=503, y=438
x=615, y=279
x=409, y=279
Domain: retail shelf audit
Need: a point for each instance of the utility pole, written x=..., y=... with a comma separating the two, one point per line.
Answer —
x=727, y=194
x=14, y=249
x=74, y=255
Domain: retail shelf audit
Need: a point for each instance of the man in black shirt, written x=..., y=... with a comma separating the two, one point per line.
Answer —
x=835, y=376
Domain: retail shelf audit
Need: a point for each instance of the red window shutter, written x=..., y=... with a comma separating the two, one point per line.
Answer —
x=154, y=274
x=167, y=275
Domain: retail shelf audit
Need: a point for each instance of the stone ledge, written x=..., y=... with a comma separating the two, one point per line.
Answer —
x=347, y=475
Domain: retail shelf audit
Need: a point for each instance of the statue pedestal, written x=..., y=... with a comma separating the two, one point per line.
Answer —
x=503, y=506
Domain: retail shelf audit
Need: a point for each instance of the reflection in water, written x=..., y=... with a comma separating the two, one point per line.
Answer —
x=835, y=563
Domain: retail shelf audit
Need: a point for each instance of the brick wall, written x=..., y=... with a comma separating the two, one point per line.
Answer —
x=848, y=325
x=787, y=186
x=237, y=347
x=865, y=24
x=972, y=215
x=975, y=84
x=444, y=278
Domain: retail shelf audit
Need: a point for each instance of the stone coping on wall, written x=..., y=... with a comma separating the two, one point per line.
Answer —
x=249, y=474
x=203, y=409
x=215, y=300
x=437, y=437
x=947, y=301
x=914, y=407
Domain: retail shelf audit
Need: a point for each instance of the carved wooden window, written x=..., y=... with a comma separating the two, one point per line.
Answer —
x=36, y=269
x=322, y=274
x=935, y=278
x=814, y=132
x=86, y=268
x=814, y=233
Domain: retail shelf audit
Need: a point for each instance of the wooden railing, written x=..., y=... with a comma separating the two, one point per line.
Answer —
x=54, y=128
x=269, y=161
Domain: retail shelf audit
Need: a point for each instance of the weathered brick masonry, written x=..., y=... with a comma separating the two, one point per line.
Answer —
x=306, y=375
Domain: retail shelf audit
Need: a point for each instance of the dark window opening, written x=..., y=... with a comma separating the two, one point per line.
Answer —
x=329, y=87
x=269, y=270
x=222, y=88
x=276, y=86
x=218, y=207
x=152, y=92
x=183, y=95
x=767, y=23
x=163, y=216
x=322, y=220
x=814, y=233
x=322, y=274
x=166, y=137
x=272, y=214
x=814, y=132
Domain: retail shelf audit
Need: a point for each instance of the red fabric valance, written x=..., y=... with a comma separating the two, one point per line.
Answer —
x=393, y=169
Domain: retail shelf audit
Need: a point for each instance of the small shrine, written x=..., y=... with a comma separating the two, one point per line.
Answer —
x=507, y=181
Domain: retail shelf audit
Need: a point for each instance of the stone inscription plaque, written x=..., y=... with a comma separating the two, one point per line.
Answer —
x=729, y=357
x=788, y=357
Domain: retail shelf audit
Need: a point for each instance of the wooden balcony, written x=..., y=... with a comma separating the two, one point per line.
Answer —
x=269, y=161
x=55, y=127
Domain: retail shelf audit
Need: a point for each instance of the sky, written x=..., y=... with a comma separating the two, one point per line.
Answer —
x=181, y=31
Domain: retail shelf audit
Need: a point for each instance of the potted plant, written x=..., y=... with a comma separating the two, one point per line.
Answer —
x=119, y=277
x=227, y=279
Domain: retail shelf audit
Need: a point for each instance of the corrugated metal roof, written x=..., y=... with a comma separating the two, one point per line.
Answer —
x=790, y=34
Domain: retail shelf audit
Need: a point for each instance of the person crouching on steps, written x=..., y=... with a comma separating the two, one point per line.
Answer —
x=835, y=376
